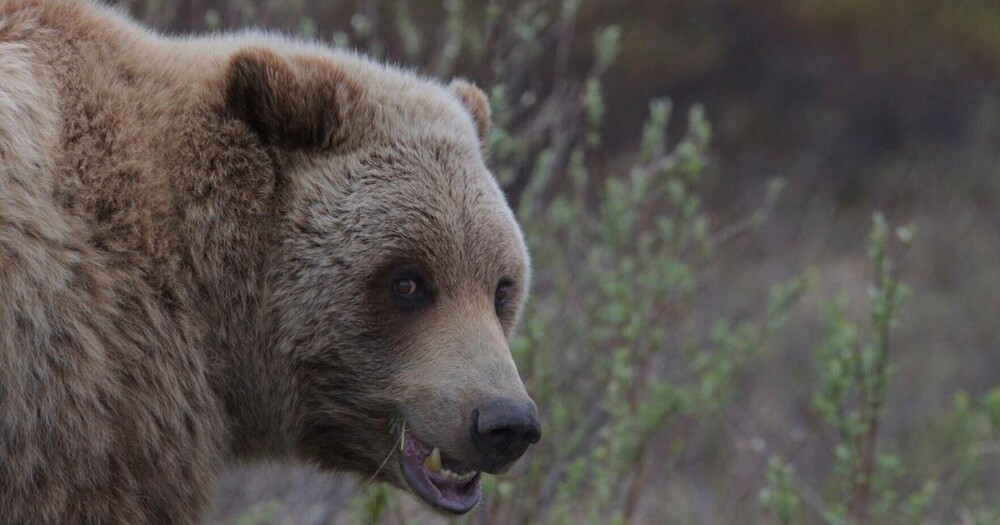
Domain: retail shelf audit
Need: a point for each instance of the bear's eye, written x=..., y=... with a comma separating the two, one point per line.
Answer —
x=409, y=290
x=501, y=296
x=405, y=287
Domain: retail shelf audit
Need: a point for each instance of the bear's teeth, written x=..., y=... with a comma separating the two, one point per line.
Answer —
x=433, y=461
x=445, y=473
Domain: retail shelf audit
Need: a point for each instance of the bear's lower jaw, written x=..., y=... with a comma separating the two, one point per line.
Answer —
x=441, y=488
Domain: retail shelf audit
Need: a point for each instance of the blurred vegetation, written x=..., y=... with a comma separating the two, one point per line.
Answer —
x=681, y=342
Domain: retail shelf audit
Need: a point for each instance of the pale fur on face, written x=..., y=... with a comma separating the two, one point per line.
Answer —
x=194, y=271
x=417, y=201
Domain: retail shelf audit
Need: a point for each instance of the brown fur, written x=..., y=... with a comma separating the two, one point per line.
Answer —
x=195, y=242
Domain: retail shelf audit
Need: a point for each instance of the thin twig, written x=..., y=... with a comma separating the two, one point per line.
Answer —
x=402, y=442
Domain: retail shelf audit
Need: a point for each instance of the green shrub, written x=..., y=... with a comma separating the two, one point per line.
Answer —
x=974, y=433
x=853, y=368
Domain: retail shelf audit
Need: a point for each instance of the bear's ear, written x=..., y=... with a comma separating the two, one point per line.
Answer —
x=296, y=105
x=476, y=102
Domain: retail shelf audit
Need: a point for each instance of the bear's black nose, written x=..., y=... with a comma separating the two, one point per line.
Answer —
x=502, y=430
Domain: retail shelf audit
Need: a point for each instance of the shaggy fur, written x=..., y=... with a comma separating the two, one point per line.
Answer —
x=197, y=238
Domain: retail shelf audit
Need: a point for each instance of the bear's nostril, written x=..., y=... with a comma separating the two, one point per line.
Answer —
x=534, y=435
x=502, y=430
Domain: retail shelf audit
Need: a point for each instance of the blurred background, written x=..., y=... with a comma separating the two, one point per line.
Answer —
x=719, y=331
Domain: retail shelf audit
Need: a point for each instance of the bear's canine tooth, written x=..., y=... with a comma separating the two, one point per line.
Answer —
x=433, y=461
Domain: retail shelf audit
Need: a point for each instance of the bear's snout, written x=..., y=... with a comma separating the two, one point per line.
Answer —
x=502, y=430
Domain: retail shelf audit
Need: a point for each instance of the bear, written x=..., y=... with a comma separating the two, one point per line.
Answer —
x=238, y=248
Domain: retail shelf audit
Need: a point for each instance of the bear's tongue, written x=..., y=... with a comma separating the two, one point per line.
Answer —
x=453, y=489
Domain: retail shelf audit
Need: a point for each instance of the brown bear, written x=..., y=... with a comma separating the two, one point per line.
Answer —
x=235, y=248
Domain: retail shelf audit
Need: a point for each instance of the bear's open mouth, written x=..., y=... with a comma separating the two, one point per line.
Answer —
x=442, y=482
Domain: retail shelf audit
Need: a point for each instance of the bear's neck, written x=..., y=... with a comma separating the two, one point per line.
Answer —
x=254, y=382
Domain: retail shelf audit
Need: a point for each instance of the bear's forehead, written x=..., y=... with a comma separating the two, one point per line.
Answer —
x=447, y=224
x=429, y=201
x=425, y=175
x=409, y=104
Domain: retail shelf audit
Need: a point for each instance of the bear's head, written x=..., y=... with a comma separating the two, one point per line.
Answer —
x=399, y=275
